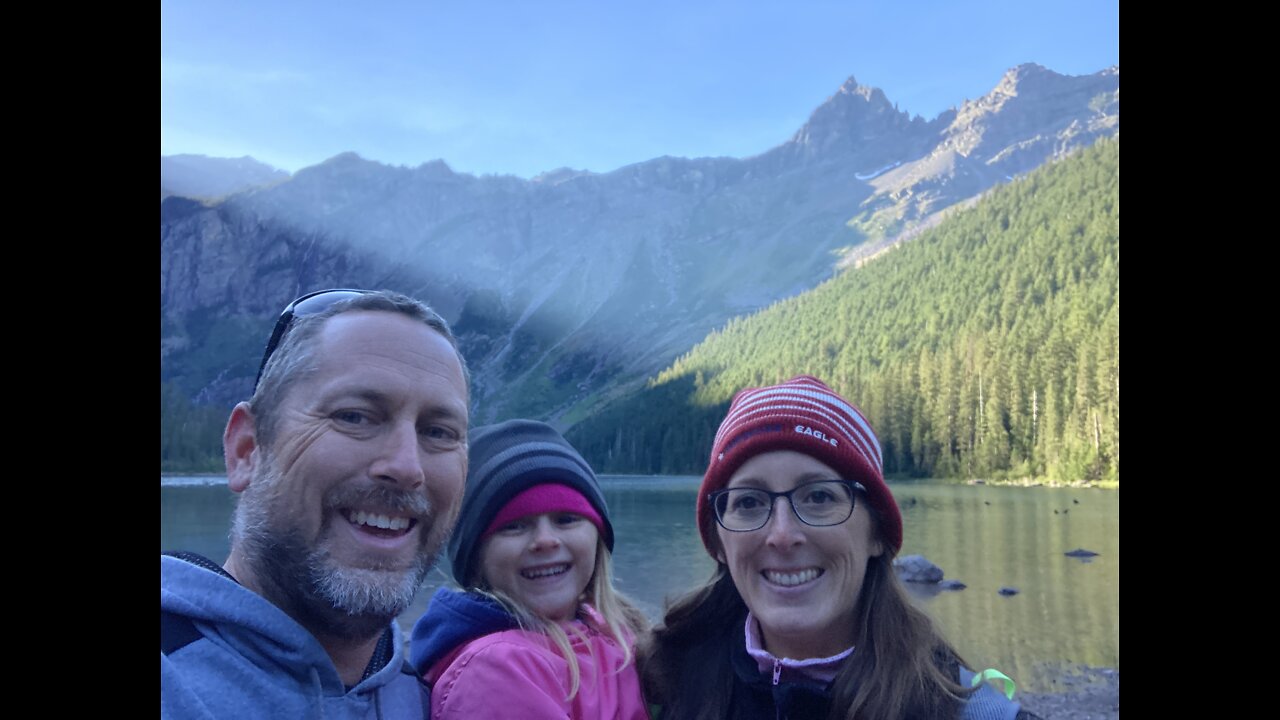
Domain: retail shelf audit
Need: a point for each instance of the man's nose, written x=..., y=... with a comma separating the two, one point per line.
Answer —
x=400, y=457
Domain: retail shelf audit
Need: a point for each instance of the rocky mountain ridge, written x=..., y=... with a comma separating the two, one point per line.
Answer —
x=571, y=287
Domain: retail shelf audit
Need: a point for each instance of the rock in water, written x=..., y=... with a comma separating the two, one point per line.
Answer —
x=917, y=569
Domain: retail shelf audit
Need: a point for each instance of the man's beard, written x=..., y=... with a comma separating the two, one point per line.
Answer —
x=301, y=577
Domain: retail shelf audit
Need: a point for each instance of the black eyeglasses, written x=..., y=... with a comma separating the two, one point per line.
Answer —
x=821, y=503
x=309, y=304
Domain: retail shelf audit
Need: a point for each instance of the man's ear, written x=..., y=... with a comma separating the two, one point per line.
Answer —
x=239, y=447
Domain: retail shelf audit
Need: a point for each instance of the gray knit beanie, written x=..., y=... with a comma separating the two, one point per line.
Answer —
x=505, y=460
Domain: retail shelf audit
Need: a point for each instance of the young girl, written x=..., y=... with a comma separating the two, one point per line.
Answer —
x=539, y=631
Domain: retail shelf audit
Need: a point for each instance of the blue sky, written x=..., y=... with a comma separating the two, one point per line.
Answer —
x=524, y=87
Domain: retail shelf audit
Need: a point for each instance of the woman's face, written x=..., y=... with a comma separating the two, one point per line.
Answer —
x=800, y=582
x=543, y=562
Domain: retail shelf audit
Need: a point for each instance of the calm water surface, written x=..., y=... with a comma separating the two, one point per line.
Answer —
x=1066, y=612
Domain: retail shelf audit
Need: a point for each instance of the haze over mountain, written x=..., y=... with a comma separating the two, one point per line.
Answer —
x=570, y=288
x=200, y=176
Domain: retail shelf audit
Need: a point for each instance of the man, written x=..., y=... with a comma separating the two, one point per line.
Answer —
x=350, y=459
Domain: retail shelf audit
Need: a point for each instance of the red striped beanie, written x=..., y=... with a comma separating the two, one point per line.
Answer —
x=804, y=415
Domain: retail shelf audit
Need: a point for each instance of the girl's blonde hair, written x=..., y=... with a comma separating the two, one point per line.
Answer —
x=624, y=623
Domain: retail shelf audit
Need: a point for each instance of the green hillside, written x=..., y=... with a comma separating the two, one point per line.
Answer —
x=988, y=347
x=190, y=434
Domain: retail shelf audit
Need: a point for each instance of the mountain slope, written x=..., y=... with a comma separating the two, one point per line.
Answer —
x=989, y=347
x=569, y=289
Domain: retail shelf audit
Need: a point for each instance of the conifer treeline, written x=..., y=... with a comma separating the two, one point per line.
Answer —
x=988, y=347
x=190, y=434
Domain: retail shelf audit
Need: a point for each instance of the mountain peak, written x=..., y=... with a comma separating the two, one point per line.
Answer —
x=867, y=93
x=1026, y=70
x=345, y=158
x=1026, y=77
x=559, y=175
x=856, y=121
x=201, y=176
x=437, y=168
x=1030, y=95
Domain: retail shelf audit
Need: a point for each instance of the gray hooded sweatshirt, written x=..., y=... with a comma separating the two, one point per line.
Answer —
x=251, y=660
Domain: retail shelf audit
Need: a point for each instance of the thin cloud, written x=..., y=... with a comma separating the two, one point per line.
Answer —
x=178, y=73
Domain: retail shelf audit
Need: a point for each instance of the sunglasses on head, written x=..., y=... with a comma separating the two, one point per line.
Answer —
x=309, y=304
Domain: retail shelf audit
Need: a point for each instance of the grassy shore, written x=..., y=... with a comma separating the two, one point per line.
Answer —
x=1046, y=482
x=1013, y=482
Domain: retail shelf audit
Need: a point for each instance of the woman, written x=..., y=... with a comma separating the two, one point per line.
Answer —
x=804, y=617
x=540, y=631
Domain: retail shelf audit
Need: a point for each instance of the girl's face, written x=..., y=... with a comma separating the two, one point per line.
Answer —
x=543, y=562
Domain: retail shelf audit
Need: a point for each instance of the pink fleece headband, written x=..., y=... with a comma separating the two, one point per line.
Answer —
x=539, y=499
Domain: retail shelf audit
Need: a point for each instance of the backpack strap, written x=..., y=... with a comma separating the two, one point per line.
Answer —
x=176, y=632
x=994, y=674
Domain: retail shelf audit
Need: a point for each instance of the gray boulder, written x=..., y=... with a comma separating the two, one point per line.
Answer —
x=917, y=569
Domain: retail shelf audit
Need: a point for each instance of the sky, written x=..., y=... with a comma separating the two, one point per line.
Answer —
x=520, y=88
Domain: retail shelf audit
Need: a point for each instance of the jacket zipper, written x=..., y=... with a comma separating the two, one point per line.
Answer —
x=777, y=675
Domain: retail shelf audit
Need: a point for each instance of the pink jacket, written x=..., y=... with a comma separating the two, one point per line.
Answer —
x=521, y=675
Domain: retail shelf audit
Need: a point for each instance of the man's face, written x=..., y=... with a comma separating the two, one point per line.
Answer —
x=348, y=509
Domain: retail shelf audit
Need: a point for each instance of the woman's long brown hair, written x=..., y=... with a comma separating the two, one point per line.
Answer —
x=902, y=666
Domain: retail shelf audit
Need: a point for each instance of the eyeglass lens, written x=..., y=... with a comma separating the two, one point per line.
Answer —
x=817, y=503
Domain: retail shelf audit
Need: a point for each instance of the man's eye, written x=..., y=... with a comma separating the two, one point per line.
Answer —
x=441, y=434
x=351, y=417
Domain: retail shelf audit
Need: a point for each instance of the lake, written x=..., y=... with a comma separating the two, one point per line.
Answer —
x=1067, y=611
